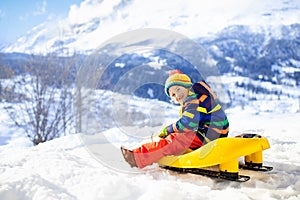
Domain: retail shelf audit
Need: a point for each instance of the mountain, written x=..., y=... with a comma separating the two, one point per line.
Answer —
x=254, y=66
x=248, y=52
x=254, y=45
x=93, y=22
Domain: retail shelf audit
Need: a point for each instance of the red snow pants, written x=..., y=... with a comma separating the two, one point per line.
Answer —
x=173, y=144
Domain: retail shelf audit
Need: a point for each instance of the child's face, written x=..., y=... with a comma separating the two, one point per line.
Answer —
x=178, y=93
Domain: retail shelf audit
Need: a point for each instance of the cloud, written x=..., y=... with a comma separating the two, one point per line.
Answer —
x=2, y=14
x=90, y=9
x=41, y=8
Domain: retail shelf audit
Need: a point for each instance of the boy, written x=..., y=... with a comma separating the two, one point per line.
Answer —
x=201, y=121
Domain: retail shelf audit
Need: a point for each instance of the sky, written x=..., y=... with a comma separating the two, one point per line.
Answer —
x=19, y=16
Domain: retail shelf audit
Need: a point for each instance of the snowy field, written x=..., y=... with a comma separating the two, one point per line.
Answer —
x=65, y=168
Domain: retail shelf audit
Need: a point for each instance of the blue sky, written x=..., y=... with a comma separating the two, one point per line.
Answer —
x=19, y=16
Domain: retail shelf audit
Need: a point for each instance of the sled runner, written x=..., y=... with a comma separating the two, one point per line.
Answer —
x=224, y=153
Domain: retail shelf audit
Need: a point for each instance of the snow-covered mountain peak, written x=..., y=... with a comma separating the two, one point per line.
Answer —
x=93, y=22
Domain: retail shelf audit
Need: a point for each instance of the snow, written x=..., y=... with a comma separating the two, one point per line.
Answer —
x=69, y=167
x=94, y=22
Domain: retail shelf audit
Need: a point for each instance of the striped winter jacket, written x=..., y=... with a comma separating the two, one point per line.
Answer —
x=202, y=114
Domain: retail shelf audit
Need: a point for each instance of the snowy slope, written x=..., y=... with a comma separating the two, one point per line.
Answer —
x=65, y=168
x=93, y=22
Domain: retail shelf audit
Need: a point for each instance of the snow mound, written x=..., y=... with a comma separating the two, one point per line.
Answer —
x=65, y=168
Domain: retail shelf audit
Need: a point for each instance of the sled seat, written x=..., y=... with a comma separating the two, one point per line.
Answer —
x=224, y=152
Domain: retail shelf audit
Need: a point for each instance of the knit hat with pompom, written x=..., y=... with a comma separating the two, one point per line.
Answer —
x=176, y=77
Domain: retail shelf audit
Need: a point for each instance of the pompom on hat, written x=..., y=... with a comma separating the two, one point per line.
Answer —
x=176, y=77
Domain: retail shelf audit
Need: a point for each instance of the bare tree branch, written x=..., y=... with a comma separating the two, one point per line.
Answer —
x=43, y=92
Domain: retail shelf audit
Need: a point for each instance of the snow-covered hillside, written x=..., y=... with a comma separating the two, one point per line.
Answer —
x=68, y=168
x=93, y=22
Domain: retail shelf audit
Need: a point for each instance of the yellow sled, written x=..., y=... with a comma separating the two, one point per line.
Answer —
x=224, y=153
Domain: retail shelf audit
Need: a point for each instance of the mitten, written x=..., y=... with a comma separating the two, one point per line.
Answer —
x=163, y=133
